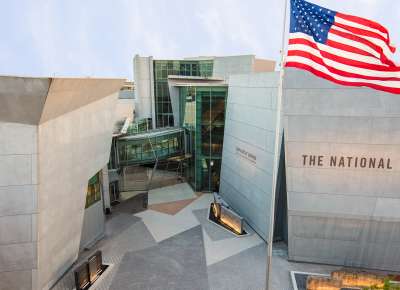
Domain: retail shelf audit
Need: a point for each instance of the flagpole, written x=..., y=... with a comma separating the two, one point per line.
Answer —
x=276, y=154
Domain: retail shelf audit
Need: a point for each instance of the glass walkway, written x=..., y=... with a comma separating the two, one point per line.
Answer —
x=150, y=146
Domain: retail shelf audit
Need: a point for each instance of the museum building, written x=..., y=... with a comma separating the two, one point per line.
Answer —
x=337, y=194
x=189, y=94
x=338, y=182
x=339, y=173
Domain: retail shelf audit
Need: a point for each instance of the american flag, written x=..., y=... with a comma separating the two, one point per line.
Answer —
x=345, y=49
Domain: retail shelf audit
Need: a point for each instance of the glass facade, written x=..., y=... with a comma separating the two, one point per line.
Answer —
x=140, y=126
x=140, y=151
x=93, y=191
x=164, y=68
x=202, y=111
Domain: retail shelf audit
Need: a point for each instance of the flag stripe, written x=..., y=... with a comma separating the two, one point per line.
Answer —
x=345, y=70
x=379, y=43
x=356, y=39
x=366, y=33
x=368, y=68
x=324, y=69
x=343, y=21
x=364, y=22
x=349, y=48
x=342, y=81
x=307, y=40
x=353, y=44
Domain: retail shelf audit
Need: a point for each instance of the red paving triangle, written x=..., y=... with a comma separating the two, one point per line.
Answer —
x=171, y=208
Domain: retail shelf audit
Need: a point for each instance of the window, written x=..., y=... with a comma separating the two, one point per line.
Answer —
x=93, y=191
x=164, y=68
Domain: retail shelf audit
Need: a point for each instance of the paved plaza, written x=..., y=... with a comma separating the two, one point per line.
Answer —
x=172, y=245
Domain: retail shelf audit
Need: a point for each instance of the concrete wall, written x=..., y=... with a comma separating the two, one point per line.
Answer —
x=342, y=215
x=226, y=65
x=247, y=159
x=93, y=225
x=22, y=99
x=47, y=156
x=73, y=148
x=264, y=65
x=144, y=87
x=18, y=205
x=125, y=109
x=94, y=219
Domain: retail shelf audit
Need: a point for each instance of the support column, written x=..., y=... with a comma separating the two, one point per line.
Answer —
x=106, y=190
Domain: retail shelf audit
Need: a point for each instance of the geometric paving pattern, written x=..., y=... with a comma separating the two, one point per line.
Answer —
x=214, y=232
x=245, y=270
x=175, y=263
x=177, y=192
x=171, y=208
x=174, y=246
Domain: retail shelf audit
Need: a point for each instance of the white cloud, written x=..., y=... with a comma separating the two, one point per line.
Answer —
x=100, y=37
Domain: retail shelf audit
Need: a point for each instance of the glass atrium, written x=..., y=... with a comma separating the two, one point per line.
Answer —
x=164, y=68
x=202, y=113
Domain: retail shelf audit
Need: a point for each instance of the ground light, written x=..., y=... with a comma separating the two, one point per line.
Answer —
x=339, y=280
x=222, y=215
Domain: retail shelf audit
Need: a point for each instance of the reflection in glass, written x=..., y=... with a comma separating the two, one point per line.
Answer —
x=93, y=190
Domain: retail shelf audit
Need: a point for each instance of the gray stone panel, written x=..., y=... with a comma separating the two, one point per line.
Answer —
x=243, y=271
x=335, y=244
x=228, y=65
x=296, y=150
x=22, y=99
x=345, y=129
x=18, y=195
x=15, y=229
x=254, y=136
x=311, y=128
x=215, y=232
x=144, y=83
x=331, y=205
x=263, y=162
x=8, y=280
x=118, y=241
x=18, y=199
x=254, y=116
x=40, y=228
x=17, y=138
x=93, y=224
x=253, y=213
x=86, y=135
x=15, y=257
x=316, y=101
x=341, y=215
x=326, y=228
x=347, y=182
x=15, y=170
x=249, y=140
x=176, y=263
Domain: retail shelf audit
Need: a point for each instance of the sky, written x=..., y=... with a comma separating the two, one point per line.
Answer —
x=99, y=38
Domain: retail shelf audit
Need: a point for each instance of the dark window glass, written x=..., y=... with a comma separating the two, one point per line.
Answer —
x=93, y=191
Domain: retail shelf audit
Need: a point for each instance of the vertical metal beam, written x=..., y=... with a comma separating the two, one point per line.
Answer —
x=276, y=155
x=209, y=147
